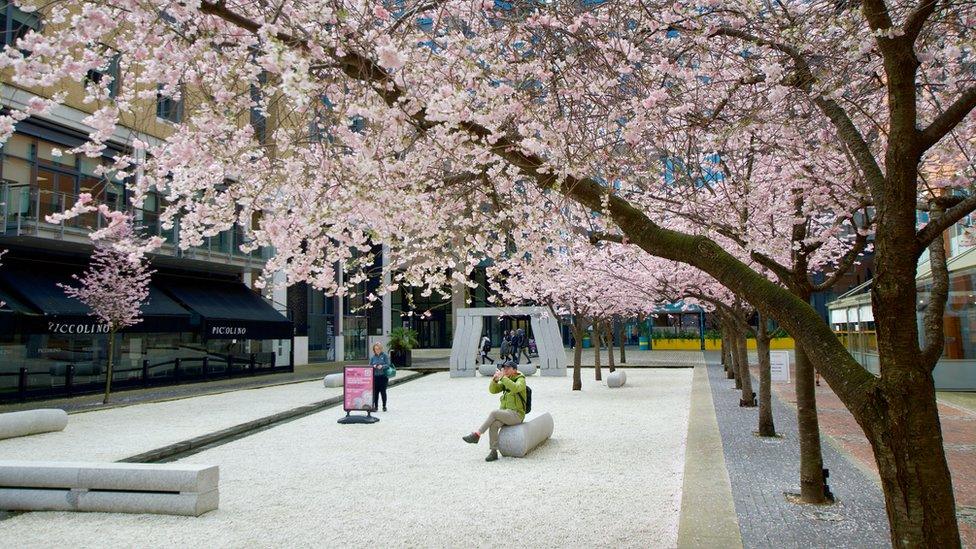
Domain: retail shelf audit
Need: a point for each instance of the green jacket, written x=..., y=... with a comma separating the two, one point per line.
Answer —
x=513, y=393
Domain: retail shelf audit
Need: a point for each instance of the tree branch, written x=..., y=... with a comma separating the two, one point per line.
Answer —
x=949, y=119
x=933, y=322
x=845, y=264
x=831, y=109
x=947, y=218
x=917, y=18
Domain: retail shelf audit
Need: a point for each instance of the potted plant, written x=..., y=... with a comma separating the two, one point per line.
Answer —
x=402, y=341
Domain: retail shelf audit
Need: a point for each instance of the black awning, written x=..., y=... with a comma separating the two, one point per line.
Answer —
x=43, y=307
x=228, y=309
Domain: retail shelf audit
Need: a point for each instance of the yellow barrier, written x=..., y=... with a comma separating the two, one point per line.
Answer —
x=779, y=343
x=676, y=344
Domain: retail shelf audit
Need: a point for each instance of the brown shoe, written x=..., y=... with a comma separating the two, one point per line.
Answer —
x=472, y=438
x=492, y=456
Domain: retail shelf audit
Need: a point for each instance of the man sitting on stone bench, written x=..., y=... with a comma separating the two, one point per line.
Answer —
x=511, y=384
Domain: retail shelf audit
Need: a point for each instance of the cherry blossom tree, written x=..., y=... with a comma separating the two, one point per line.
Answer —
x=477, y=119
x=114, y=287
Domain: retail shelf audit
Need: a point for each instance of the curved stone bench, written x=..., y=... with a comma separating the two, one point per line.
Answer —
x=487, y=370
x=32, y=422
x=617, y=378
x=333, y=380
x=519, y=440
x=167, y=488
x=527, y=369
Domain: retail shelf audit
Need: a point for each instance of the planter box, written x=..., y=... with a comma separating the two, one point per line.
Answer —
x=401, y=359
x=676, y=344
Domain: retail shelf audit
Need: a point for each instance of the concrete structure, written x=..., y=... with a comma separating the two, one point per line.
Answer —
x=487, y=370
x=333, y=380
x=470, y=323
x=527, y=368
x=169, y=489
x=617, y=378
x=519, y=440
x=32, y=422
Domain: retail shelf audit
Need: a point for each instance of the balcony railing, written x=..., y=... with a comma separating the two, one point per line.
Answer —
x=25, y=209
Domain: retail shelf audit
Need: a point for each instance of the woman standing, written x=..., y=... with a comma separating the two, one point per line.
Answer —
x=380, y=362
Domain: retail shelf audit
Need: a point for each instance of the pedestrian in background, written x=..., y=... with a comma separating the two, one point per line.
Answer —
x=380, y=362
x=505, y=351
x=484, y=348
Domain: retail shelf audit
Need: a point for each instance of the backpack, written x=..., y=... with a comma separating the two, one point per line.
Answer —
x=528, y=400
x=487, y=345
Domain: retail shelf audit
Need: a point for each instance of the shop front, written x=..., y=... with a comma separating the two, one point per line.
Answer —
x=193, y=328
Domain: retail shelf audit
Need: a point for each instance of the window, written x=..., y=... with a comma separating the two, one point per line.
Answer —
x=258, y=120
x=15, y=24
x=42, y=178
x=112, y=71
x=168, y=108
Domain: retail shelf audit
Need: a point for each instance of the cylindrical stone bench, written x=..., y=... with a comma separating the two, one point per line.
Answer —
x=168, y=488
x=519, y=440
x=333, y=380
x=617, y=378
x=527, y=369
x=487, y=369
x=32, y=422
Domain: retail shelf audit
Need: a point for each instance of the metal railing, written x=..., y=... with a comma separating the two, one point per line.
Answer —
x=65, y=380
x=24, y=209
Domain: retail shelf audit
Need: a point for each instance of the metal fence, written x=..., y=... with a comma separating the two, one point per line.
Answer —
x=69, y=380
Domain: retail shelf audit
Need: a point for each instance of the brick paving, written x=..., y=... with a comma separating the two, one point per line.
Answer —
x=761, y=470
x=958, y=431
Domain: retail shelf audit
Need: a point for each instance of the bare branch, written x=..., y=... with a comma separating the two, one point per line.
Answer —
x=949, y=119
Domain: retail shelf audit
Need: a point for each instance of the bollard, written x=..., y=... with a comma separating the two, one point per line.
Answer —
x=251, y=365
x=145, y=372
x=176, y=369
x=22, y=384
x=69, y=379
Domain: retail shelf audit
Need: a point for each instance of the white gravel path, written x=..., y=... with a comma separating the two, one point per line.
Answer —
x=117, y=433
x=610, y=476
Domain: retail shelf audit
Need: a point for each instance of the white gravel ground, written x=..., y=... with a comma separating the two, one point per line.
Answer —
x=610, y=476
x=117, y=433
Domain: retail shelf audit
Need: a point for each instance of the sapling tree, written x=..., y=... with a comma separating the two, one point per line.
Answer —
x=114, y=286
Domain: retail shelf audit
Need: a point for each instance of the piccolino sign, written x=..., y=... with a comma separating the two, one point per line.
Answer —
x=83, y=329
x=228, y=330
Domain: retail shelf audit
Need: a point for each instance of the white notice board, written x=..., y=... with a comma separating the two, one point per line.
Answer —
x=779, y=366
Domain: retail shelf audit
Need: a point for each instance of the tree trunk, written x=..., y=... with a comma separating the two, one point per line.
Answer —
x=724, y=348
x=766, y=426
x=108, y=372
x=734, y=358
x=748, y=397
x=597, y=336
x=907, y=436
x=577, y=328
x=620, y=340
x=609, y=333
x=914, y=473
x=811, y=458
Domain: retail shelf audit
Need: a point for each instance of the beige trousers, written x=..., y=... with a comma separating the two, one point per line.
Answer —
x=494, y=424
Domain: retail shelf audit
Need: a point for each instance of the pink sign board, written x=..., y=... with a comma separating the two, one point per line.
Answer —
x=357, y=388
